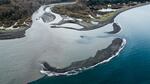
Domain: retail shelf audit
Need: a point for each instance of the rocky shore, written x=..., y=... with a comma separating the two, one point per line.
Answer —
x=100, y=56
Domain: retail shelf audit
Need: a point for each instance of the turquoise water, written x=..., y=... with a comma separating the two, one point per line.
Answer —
x=132, y=66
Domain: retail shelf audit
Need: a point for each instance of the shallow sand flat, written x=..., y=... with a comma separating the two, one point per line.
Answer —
x=68, y=45
x=20, y=58
x=107, y=10
x=76, y=26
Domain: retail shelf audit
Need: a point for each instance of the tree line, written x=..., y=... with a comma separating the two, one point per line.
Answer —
x=113, y=1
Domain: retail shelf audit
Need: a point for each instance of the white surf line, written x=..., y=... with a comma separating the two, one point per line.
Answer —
x=75, y=72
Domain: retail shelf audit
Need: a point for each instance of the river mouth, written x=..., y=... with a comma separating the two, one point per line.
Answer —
x=133, y=62
x=42, y=43
x=58, y=47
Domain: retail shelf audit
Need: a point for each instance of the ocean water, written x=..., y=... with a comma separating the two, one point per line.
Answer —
x=131, y=66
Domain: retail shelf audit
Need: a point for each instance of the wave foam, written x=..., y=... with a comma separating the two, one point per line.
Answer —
x=75, y=72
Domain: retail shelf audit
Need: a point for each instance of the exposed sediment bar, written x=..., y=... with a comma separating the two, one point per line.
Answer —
x=100, y=56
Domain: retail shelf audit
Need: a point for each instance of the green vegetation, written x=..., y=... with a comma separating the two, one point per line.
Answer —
x=73, y=10
x=10, y=15
x=107, y=16
x=78, y=11
x=12, y=11
x=83, y=8
x=94, y=2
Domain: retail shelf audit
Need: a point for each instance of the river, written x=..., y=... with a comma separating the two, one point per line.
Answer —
x=132, y=66
x=20, y=59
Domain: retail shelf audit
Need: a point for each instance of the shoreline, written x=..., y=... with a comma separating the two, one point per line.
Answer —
x=101, y=56
x=100, y=24
x=13, y=34
x=37, y=56
x=19, y=33
x=111, y=20
x=77, y=67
